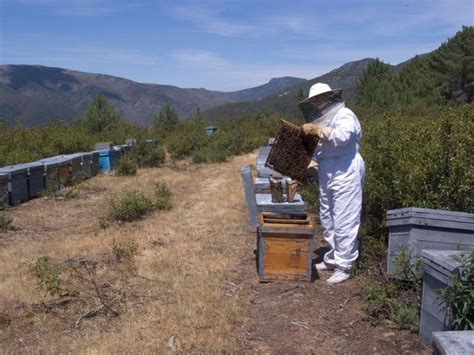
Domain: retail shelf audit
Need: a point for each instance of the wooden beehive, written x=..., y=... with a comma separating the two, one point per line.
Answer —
x=291, y=152
x=285, y=247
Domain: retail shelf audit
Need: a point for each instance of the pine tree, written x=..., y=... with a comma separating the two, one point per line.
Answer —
x=166, y=119
x=100, y=115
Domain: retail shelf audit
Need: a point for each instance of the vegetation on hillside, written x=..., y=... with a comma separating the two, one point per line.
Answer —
x=443, y=76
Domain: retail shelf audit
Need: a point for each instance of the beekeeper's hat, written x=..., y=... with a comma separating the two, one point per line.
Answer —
x=320, y=89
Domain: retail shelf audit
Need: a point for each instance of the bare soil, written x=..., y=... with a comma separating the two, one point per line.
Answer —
x=193, y=286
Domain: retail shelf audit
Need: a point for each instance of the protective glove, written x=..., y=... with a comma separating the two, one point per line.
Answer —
x=312, y=130
x=311, y=173
x=315, y=130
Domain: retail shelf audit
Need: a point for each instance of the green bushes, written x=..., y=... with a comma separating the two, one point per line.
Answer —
x=162, y=197
x=459, y=299
x=147, y=155
x=126, y=166
x=134, y=205
x=130, y=206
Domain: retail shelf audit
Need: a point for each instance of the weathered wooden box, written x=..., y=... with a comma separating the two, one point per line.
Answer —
x=17, y=183
x=285, y=247
x=416, y=229
x=439, y=267
x=453, y=343
x=3, y=190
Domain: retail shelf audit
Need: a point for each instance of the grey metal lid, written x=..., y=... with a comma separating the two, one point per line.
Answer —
x=13, y=169
x=443, y=261
x=430, y=217
x=454, y=342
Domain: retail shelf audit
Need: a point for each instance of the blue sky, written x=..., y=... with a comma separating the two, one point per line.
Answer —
x=221, y=45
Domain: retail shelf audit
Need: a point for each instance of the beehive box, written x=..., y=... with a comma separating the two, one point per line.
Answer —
x=439, y=267
x=262, y=185
x=50, y=174
x=285, y=247
x=17, y=183
x=64, y=169
x=35, y=182
x=86, y=165
x=291, y=153
x=108, y=159
x=3, y=190
x=264, y=151
x=420, y=228
x=94, y=163
x=75, y=167
x=453, y=342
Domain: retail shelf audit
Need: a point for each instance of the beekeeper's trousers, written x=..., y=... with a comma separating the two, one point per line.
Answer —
x=341, y=181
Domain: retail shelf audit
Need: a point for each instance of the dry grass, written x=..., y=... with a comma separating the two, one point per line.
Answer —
x=172, y=296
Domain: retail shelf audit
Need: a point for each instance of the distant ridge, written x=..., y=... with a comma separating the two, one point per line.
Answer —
x=345, y=77
x=33, y=95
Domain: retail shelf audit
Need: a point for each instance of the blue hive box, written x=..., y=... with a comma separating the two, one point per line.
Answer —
x=35, y=180
x=17, y=183
x=3, y=190
x=108, y=159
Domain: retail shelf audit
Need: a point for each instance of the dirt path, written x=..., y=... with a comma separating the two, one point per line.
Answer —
x=193, y=288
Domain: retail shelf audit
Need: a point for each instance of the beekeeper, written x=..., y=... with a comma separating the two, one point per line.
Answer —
x=341, y=170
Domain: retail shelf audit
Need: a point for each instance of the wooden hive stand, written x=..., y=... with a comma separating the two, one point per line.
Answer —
x=285, y=247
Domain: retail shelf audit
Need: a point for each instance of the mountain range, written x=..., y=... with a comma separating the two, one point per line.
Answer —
x=33, y=95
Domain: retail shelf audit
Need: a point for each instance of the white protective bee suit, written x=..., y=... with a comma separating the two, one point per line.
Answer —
x=341, y=178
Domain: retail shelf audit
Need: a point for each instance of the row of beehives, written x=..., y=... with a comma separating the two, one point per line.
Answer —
x=23, y=182
x=436, y=238
x=284, y=231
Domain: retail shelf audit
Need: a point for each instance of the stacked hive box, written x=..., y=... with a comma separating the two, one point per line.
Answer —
x=86, y=165
x=35, y=182
x=75, y=167
x=50, y=174
x=416, y=229
x=439, y=267
x=17, y=183
x=285, y=247
x=108, y=159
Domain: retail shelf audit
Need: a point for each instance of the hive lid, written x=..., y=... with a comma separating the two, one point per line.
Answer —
x=454, y=342
x=443, y=261
x=427, y=216
x=13, y=169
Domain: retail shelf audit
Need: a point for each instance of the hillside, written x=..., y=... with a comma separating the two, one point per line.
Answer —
x=344, y=77
x=34, y=95
x=442, y=76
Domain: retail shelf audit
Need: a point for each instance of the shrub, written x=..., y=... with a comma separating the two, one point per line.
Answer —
x=126, y=166
x=48, y=277
x=124, y=250
x=130, y=206
x=147, y=155
x=5, y=221
x=162, y=197
x=459, y=299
